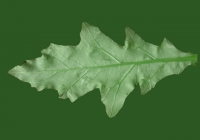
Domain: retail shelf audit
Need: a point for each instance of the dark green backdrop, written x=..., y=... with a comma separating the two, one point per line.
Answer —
x=170, y=111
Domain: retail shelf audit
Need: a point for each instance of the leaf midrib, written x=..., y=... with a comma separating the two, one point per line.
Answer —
x=187, y=58
x=192, y=58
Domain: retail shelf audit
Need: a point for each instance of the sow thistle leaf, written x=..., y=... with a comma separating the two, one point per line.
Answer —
x=98, y=62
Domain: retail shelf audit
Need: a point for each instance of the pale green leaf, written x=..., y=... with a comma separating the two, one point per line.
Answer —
x=99, y=62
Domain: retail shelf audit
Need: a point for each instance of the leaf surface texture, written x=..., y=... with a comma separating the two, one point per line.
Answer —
x=98, y=62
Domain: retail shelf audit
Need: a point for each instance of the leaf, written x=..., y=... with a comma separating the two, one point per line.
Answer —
x=99, y=62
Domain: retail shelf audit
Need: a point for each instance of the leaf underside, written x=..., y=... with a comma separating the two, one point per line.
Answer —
x=98, y=62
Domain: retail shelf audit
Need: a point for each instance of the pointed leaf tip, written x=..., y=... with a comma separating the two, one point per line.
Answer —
x=85, y=24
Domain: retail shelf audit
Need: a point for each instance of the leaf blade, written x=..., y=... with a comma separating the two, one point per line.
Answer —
x=99, y=62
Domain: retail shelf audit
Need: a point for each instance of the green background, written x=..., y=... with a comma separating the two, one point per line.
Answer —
x=169, y=111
